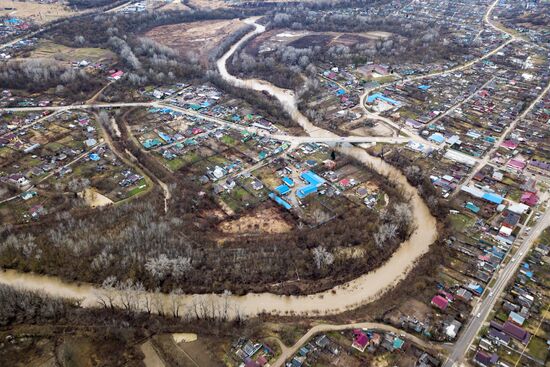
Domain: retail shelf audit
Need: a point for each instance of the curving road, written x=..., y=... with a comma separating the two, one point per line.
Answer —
x=404, y=130
x=288, y=352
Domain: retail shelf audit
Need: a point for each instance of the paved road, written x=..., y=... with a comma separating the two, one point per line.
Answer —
x=289, y=138
x=504, y=275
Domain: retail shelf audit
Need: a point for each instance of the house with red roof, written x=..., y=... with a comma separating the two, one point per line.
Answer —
x=116, y=75
x=529, y=198
x=510, y=144
x=516, y=164
x=440, y=302
x=360, y=340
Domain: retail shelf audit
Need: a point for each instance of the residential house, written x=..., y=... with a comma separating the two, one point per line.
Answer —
x=360, y=340
x=485, y=359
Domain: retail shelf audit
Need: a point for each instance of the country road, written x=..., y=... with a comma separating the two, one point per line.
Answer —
x=288, y=352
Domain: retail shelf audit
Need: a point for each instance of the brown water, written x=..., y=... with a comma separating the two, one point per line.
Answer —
x=360, y=291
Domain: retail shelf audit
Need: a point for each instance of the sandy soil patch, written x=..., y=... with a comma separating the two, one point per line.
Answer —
x=36, y=12
x=196, y=37
x=174, y=5
x=95, y=199
x=264, y=221
x=184, y=337
x=376, y=130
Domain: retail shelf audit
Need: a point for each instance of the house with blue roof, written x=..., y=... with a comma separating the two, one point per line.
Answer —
x=314, y=182
x=164, y=137
x=151, y=143
x=380, y=96
x=282, y=189
x=516, y=318
x=493, y=198
x=437, y=138
x=288, y=181
x=472, y=207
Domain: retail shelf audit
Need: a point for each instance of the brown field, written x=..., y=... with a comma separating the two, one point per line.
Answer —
x=265, y=221
x=212, y=4
x=196, y=37
x=304, y=39
x=195, y=353
x=39, y=13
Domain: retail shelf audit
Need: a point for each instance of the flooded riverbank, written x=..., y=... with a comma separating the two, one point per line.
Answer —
x=360, y=291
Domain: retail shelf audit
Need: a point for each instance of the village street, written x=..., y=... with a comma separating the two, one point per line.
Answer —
x=321, y=328
x=505, y=274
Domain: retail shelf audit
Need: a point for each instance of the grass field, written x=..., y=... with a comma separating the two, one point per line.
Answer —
x=460, y=221
x=537, y=348
x=50, y=50
x=141, y=186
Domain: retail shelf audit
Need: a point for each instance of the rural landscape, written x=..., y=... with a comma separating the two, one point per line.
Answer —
x=285, y=183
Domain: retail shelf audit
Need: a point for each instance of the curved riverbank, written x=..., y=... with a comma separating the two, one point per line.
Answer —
x=357, y=292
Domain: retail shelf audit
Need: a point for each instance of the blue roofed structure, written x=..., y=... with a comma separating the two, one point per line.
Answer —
x=493, y=198
x=280, y=201
x=314, y=182
x=165, y=137
x=375, y=96
x=437, y=137
x=288, y=181
x=472, y=207
x=282, y=189
x=516, y=318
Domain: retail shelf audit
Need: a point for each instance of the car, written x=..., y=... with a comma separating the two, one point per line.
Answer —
x=491, y=294
x=513, y=259
x=521, y=253
x=479, y=314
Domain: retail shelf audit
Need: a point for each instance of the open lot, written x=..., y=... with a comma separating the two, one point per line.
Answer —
x=195, y=37
x=39, y=13
x=263, y=221
x=50, y=50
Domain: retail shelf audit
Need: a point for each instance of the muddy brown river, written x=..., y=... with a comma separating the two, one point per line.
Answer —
x=359, y=291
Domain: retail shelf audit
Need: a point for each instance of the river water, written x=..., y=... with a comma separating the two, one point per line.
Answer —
x=359, y=291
